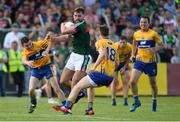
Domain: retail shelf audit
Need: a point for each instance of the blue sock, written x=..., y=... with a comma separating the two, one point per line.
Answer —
x=90, y=105
x=125, y=100
x=113, y=100
x=33, y=101
x=154, y=105
x=136, y=99
x=68, y=104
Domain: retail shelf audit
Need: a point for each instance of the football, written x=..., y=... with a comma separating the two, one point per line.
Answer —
x=69, y=24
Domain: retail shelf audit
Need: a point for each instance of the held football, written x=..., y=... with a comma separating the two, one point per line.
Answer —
x=69, y=24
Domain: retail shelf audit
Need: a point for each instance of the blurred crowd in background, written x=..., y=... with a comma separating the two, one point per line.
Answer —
x=34, y=18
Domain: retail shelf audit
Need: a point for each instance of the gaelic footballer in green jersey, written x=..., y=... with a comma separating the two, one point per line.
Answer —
x=80, y=58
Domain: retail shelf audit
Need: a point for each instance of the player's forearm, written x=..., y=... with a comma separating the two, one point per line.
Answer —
x=161, y=46
x=24, y=61
x=98, y=61
x=134, y=51
x=48, y=48
x=68, y=31
x=61, y=38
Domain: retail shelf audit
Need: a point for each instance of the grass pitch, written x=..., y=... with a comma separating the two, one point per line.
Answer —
x=15, y=109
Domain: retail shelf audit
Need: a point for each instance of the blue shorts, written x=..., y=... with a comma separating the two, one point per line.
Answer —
x=121, y=65
x=148, y=68
x=44, y=71
x=99, y=79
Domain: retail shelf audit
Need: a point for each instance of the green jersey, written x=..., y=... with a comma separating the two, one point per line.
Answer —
x=81, y=39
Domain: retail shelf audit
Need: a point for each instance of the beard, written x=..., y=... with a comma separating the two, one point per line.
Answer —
x=77, y=21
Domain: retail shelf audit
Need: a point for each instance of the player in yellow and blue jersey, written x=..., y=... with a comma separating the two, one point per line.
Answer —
x=40, y=65
x=124, y=50
x=102, y=72
x=144, y=54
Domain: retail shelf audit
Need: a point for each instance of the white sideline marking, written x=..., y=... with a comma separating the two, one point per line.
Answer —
x=79, y=116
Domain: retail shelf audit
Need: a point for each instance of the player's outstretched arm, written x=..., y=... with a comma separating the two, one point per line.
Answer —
x=48, y=38
x=61, y=38
x=156, y=49
x=102, y=53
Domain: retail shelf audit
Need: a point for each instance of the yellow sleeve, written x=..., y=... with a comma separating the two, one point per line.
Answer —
x=43, y=43
x=24, y=55
x=157, y=38
x=117, y=57
x=99, y=45
x=129, y=49
x=117, y=54
x=134, y=39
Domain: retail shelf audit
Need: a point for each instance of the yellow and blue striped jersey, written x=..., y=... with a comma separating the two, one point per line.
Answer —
x=108, y=64
x=123, y=53
x=145, y=40
x=35, y=54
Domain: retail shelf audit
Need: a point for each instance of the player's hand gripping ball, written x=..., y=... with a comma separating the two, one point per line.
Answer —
x=69, y=25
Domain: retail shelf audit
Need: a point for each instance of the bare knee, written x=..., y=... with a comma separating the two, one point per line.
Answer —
x=74, y=82
x=62, y=81
x=31, y=92
x=153, y=85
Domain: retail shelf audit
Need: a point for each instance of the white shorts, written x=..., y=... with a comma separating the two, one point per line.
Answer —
x=78, y=62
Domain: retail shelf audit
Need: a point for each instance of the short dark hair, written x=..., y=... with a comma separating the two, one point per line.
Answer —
x=79, y=10
x=123, y=38
x=24, y=40
x=104, y=30
x=146, y=17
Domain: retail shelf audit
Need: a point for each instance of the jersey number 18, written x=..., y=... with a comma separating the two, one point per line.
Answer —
x=111, y=54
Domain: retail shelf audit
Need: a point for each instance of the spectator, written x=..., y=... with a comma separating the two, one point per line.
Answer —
x=146, y=9
x=178, y=8
x=3, y=71
x=113, y=33
x=4, y=21
x=161, y=15
x=169, y=20
x=89, y=3
x=53, y=26
x=175, y=59
x=170, y=41
x=99, y=10
x=170, y=6
x=14, y=35
x=16, y=68
x=122, y=22
x=128, y=33
x=134, y=18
